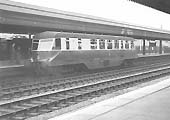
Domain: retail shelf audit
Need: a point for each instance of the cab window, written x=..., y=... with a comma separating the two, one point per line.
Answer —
x=46, y=44
x=57, y=44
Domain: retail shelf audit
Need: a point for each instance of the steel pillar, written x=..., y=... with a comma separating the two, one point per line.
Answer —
x=144, y=48
x=160, y=46
x=29, y=36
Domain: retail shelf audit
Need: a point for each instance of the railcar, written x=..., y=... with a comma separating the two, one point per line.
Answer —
x=93, y=51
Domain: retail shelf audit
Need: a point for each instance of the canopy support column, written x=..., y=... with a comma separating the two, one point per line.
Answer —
x=144, y=47
x=29, y=36
x=160, y=46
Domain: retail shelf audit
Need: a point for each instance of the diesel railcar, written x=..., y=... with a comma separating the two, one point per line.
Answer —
x=93, y=51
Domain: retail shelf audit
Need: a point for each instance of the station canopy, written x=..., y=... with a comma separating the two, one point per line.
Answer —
x=161, y=5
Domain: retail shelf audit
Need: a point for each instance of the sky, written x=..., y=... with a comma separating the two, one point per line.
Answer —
x=119, y=10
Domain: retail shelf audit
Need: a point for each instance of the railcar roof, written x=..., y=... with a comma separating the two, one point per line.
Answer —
x=51, y=34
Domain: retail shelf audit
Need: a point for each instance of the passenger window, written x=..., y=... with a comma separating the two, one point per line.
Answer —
x=132, y=44
x=127, y=44
x=93, y=43
x=121, y=44
x=79, y=44
x=102, y=44
x=109, y=44
x=116, y=44
x=67, y=44
x=58, y=44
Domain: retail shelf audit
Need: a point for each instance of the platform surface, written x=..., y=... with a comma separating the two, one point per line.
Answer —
x=152, y=54
x=11, y=64
x=148, y=103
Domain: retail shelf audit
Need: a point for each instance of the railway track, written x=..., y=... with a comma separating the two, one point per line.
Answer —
x=64, y=83
x=11, y=81
x=74, y=92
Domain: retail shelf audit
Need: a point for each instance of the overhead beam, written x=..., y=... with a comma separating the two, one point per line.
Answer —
x=20, y=18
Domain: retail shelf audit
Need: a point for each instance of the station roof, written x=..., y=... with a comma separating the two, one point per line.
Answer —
x=52, y=34
x=161, y=5
x=18, y=17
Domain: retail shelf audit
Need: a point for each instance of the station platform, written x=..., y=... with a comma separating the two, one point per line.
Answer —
x=153, y=54
x=9, y=63
x=148, y=103
x=10, y=68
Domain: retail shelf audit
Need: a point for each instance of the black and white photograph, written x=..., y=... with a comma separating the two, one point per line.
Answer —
x=84, y=59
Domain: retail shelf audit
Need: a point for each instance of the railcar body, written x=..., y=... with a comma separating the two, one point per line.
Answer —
x=95, y=51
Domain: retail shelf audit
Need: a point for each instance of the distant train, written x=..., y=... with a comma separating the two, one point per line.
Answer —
x=94, y=51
